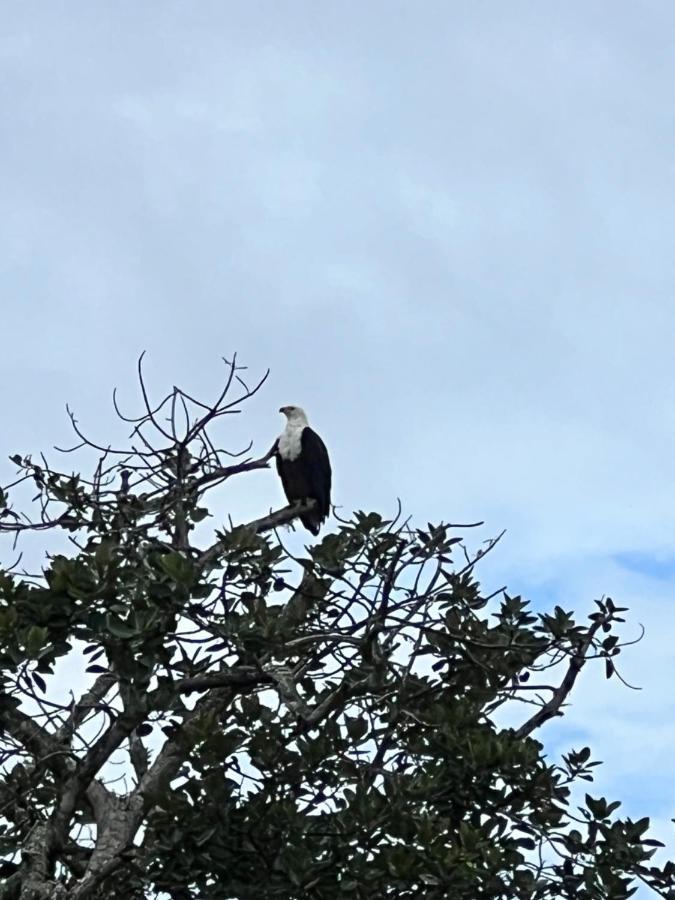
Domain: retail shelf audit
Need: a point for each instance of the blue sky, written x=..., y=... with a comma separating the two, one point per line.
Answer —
x=446, y=227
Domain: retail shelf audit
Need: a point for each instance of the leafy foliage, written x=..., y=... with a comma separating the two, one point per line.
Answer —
x=322, y=726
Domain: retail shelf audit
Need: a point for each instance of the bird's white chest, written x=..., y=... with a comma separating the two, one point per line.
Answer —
x=290, y=442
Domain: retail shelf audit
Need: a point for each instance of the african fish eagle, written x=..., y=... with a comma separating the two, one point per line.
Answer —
x=304, y=467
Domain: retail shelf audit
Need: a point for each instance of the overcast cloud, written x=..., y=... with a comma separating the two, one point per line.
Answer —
x=446, y=227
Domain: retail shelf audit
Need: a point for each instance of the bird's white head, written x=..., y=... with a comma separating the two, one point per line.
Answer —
x=295, y=415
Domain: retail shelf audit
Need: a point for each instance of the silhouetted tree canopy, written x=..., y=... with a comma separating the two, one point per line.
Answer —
x=256, y=724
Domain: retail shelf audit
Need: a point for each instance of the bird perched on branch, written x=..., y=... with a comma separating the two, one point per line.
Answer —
x=304, y=467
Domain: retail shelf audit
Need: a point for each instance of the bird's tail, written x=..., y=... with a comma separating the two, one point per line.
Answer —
x=312, y=523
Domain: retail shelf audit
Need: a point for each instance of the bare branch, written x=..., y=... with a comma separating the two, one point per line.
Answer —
x=84, y=705
x=551, y=708
x=275, y=519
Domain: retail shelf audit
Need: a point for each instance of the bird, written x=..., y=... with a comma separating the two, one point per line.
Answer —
x=304, y=467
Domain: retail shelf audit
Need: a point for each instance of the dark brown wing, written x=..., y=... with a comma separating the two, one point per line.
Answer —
x=317, y=470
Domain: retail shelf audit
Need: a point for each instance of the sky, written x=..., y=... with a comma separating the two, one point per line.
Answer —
x=447, y=230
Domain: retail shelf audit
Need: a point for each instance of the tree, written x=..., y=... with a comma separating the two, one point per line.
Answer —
x=255, y=724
